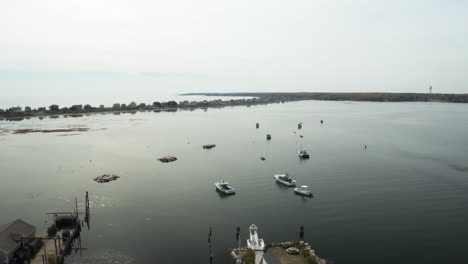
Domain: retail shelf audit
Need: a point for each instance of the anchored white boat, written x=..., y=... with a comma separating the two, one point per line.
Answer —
x=224, y=187
x=303, y=154
x=303, y=190
x=284, y=179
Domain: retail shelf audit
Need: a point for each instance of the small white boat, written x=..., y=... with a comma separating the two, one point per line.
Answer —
x=224, y=187
x=303, y=154
x=284, y=179
x=303, y=190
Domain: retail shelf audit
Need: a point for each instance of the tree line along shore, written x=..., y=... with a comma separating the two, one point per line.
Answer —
x=371, y=97
x=55, y=111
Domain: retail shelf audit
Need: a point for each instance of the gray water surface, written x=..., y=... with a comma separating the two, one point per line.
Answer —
x=403, y=200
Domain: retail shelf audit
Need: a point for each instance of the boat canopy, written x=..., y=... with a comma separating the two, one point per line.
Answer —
x=304, y=186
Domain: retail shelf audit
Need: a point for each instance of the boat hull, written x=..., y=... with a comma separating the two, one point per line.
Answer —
x=289, y=184
x=303, y=192
x=220, y=188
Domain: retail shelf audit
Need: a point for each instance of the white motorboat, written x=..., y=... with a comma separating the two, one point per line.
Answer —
x=303, y=190
x=284, y=179
x=224, y=187
x=303, y=154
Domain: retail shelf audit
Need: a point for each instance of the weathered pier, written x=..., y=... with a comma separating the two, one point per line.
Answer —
x=63, y=235
x=20, y=244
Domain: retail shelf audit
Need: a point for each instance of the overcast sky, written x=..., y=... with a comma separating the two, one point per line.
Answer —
x=100, y=47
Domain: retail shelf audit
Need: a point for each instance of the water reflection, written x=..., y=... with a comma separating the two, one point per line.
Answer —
x=223, y=195
x=103, y=257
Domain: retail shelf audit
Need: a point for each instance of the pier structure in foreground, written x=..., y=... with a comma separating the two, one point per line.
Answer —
x=256, y=244
x=19, y=242
x=258, y=252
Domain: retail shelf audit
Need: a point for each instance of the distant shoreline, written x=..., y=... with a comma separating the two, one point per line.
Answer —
x=370, y=97
x=53, y=111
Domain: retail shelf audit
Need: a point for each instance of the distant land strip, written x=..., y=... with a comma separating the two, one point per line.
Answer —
x=371, y=97
x=54, y=111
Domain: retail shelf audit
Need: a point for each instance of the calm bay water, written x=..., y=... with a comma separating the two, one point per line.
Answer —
x=404, y=199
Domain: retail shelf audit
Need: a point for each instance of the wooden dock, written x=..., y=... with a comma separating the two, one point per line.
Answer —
x=54, y=249
x=61, y=236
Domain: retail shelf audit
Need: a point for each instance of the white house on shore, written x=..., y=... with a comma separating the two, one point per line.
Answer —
x=256, y=244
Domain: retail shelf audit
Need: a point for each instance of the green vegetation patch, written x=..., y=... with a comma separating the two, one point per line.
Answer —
x=285, y=258
x=249, y=256
x=304, y=256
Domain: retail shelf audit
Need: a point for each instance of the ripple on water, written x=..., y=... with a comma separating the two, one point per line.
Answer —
x=103, y=257
x=97, y=201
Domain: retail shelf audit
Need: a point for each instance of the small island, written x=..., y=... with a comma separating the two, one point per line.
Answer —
x=167, y=159
x=106, y=178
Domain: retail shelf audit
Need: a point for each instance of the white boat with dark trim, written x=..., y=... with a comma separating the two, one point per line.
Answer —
x=303, y=190
x=224, y=187
x=284, y=179
x=303, y=154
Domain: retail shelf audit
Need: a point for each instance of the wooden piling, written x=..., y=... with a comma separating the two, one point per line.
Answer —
x=56, y=251
x=45, y=254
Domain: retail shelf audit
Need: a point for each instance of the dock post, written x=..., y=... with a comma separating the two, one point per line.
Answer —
x=60, y=246
x=56, y=251
x=301, y=233
x=209, y=243
x=45, y=253
x=87, y=209
x=79, y=244
x=238, y=237
x=76, y=206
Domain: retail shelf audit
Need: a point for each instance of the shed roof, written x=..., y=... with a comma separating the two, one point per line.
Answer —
x=11, y=234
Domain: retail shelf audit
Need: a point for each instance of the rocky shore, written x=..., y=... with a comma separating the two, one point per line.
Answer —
x=167, y=159
x=283, y=253
x=106, y=178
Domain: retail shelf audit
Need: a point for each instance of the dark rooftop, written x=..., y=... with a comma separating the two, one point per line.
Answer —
x=11, y=233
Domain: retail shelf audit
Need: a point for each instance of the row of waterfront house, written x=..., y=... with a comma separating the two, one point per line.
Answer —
x=55, y=109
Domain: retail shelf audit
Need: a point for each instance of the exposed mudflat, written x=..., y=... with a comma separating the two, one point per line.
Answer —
x=60, y=130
